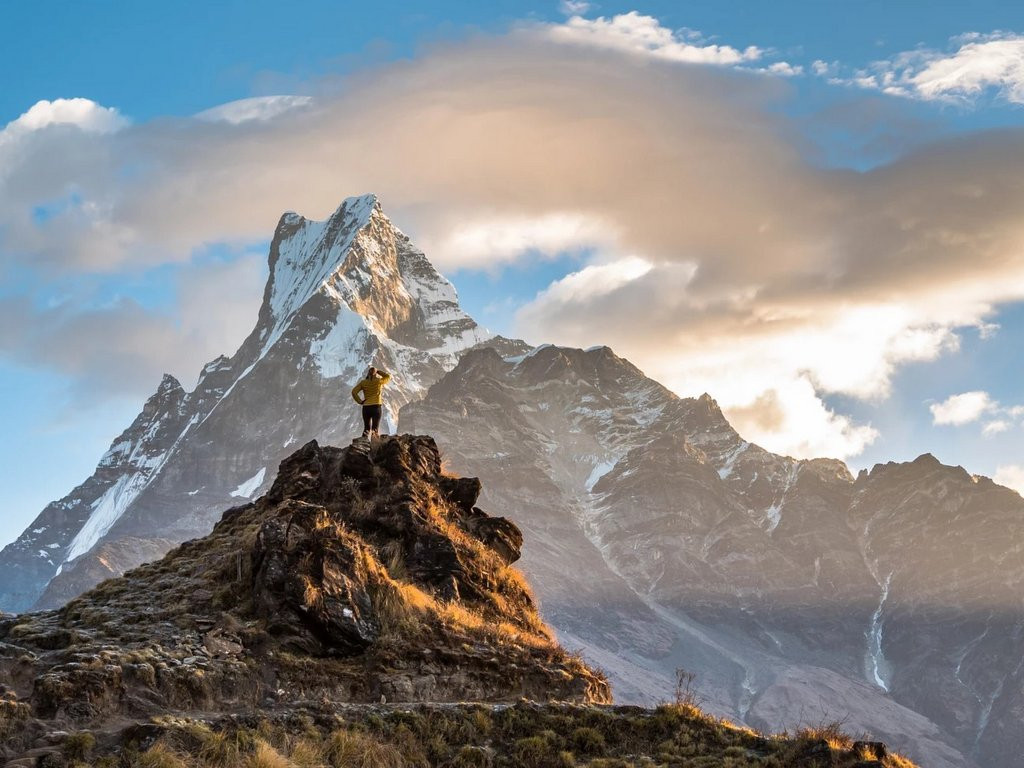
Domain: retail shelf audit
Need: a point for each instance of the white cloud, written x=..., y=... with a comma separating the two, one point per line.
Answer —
x=995, y=427
x=784, y=69
x=258, y=108
x=980, y=64
x=591, y=282
x=574, y=7
x=485, y=242
x=961, y=409
x=822, y=68
x=1012, y=476
x=636, y=33
x=790, y=418
x=82, y=113
x=969, y=407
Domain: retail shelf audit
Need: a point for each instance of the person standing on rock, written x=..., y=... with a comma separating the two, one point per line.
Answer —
x=370, y=389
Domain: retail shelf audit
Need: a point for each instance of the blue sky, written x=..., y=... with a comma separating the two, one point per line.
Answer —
x=129, y=219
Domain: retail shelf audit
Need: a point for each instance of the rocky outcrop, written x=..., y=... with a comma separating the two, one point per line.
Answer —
x=365, y=574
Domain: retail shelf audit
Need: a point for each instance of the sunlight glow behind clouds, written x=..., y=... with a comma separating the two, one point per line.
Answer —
x=725, y=261
x=1012, y=476
x=485, y=243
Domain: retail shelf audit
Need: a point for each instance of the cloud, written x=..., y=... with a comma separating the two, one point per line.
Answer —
x=995, y=427
x=969, y=407
x=256, y=108
x=961, y=409
x=1012, y=476
x=636, y=33
x=981, y=64
x=487, y=241
x=81, y=113
x=713, y=252
x=784, y=69
x=121, y=348
x=574, y=7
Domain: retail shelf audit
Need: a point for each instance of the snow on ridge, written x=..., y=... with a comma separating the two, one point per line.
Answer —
x=247, y=488
x=107, y=509
x=600, y=470
x=306, y=261
x=517, y=359
x=338, y=353
x=729, y=460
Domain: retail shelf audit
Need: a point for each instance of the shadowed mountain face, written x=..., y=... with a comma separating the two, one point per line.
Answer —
x=659, y=538
x=656, y=536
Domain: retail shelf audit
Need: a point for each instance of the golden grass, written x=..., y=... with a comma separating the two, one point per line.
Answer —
x=265, y=756
x=160, y=755
x=354, y=749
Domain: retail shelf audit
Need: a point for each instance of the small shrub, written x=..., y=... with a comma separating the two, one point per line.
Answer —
x=265, y=756
x=587, y=741
x=828, y=731
x=160, y=756
x=306, y=754
x=533, y=752
x=77, y=746
x=472, y=757
x=352, y=749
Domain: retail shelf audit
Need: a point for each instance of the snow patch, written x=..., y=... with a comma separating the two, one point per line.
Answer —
x=598, y=472
x=340, y=352
x=248, y=488
x=773, y=514
x=107, y=509
x=729, y=460
x=878, y=664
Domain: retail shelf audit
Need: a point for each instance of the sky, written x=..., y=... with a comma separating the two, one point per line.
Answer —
x=810, y=210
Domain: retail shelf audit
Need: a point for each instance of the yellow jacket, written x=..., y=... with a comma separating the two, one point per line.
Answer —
x=371, y=389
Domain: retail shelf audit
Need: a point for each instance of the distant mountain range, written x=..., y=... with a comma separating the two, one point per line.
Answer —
x=656, y=537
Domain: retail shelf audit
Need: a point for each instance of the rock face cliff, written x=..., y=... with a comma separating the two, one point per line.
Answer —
x=364, y=574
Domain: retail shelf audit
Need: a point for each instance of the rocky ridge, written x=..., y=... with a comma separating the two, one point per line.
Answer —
x=364, y=574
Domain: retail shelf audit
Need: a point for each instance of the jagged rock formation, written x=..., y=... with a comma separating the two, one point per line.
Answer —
x=363, y=574
x=658, y=537
x=342, y=293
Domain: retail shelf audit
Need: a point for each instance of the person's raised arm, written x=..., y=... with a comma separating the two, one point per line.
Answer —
x=385, y=377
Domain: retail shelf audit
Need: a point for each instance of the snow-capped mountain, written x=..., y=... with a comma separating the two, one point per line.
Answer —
x=343, y=293
x=656, y=536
